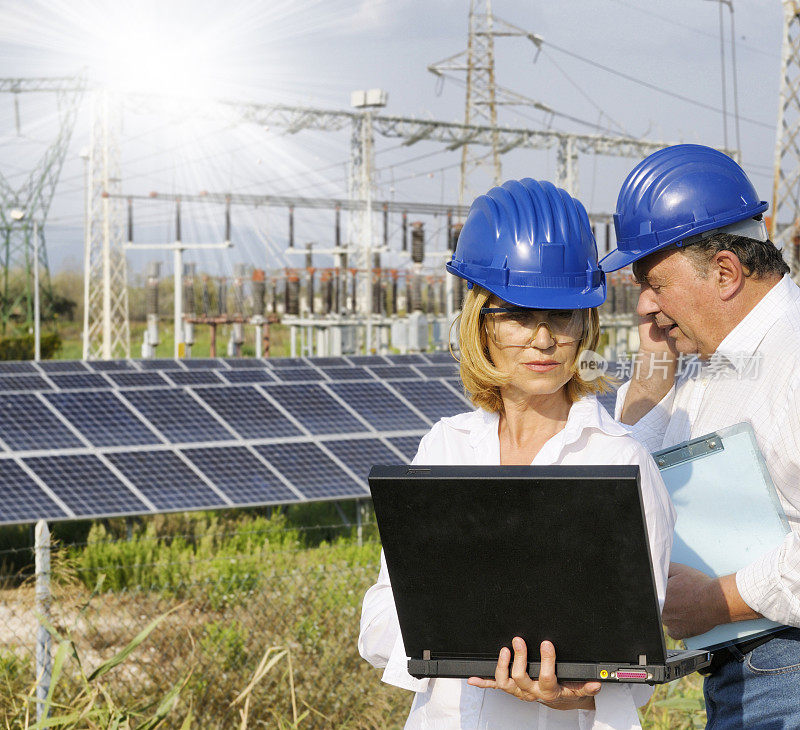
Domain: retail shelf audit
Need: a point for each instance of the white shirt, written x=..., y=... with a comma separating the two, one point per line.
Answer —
x=590, y=436
x=755, y=378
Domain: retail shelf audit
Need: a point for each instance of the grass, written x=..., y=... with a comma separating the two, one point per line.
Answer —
x=72, y=341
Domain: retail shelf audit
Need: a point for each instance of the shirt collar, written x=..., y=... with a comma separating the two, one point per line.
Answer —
x=743, y=340
x=585, y=413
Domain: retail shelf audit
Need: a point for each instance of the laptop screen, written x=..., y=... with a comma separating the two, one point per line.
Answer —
x=478, y=555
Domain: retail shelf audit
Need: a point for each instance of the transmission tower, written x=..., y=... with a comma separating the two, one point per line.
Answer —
x=482, y=93
x=106, y=329
x=23, y=210
x=786, y=183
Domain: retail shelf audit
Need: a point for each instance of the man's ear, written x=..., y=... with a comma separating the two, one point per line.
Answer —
x=728, y=273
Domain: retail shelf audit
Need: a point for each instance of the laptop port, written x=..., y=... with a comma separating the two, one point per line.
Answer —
x=632, y=674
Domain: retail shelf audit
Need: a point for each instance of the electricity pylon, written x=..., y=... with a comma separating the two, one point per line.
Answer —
x=106, y=328
x=786, y=183
x=483, y=95
x=23, y=210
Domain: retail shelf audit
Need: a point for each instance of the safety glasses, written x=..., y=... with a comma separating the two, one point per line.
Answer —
x=518, y=326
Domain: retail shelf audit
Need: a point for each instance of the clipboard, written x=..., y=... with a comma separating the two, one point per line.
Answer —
x=728, y=514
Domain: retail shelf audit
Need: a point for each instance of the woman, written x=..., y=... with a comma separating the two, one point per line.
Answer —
x=530, y=260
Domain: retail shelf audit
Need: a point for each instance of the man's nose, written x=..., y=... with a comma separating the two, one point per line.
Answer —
x=647, y=304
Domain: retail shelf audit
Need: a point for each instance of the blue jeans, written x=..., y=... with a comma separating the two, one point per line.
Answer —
x=759, y=690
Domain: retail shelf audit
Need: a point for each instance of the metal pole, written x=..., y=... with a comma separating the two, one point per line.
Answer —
x=42, y=597
x=87, y=249
x=178, y=264
x=106, y=255
x=37, y=339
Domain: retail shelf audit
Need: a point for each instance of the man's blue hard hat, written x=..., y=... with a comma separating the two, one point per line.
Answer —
x=674, y=194
x=531, y=244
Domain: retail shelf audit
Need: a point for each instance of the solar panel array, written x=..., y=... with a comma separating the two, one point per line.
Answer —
x=109, y=438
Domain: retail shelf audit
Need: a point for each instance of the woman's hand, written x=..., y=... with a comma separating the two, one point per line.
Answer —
x=547, y=690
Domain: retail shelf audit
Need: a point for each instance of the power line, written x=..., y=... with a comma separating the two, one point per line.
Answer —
x=648, y=85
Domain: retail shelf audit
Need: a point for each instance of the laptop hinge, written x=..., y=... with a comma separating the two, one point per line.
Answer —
x=426, y=654
x=642, y=660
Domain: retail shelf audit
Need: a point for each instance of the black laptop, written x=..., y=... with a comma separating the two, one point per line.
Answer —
x=480, y=554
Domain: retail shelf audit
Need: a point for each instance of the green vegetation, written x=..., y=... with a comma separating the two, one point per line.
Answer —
x=246, y=594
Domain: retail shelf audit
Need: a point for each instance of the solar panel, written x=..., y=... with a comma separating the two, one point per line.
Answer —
x=433, y=398
x=378, y=406
x=193, y=377
x=439, y=371
x=608, y=401
x=394, y=372
x=328, y=362
x=248, y=376
x=440, y=357
x=102, y=366
x=316, y=409
x=86, y=485
x=287, y=362
x=410, y=359
x=166, y=480
x=62, y=366
x=297, y=374
x=177, y=415
x=21, y=499
x=23, y=383
x=354, y=372
x=241, y=476
x=137, y=380
x=162, y=363
x=204, y=363
x=17, y=367
x=102, y=418
x=361, y=454
x=407, y=445
x=27, y=424
x=368, y=360
x=250, y=414
x=237, y=363
x=74, y=381
x=312, y=471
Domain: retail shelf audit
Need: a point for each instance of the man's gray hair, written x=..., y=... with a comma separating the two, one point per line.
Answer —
x=759, y=259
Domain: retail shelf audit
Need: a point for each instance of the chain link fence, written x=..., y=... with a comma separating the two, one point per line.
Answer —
x=230, y=594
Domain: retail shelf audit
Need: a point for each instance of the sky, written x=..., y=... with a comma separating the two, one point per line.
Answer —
x=636, y=67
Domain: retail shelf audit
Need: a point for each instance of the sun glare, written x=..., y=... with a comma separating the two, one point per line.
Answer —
x=157, y=55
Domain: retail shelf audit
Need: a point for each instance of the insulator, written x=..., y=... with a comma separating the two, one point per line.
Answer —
x=151, y=295
x=377, y=303
x=178, y=220
x=417, y=242
x=206, y=298
x=405, y=231
x=393, y=291
x=259, y=287
x=293, y=295
x=456, y=233
x=416, y=293
x=430, y=297
x=222, y=297
x=310, y=290
x=188, y=288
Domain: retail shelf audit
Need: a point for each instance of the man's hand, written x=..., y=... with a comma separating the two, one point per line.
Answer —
x=696, y=602
x=547, y=690
x=654, y=371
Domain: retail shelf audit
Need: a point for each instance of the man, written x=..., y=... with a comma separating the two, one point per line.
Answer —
x=712, y=283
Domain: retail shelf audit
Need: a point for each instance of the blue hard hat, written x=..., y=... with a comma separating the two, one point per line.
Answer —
x=676, y=193
x=531, y=244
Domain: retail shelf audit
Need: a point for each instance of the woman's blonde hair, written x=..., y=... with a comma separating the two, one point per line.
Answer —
x=483, y=381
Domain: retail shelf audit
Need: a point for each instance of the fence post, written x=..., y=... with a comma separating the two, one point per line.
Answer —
x=43, y=639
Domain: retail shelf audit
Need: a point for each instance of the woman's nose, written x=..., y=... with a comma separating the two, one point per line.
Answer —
x=543, y=338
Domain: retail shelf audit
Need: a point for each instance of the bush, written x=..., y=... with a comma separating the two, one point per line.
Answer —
x=23, y=347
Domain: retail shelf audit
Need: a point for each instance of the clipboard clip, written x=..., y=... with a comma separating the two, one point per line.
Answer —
x=689, y=450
